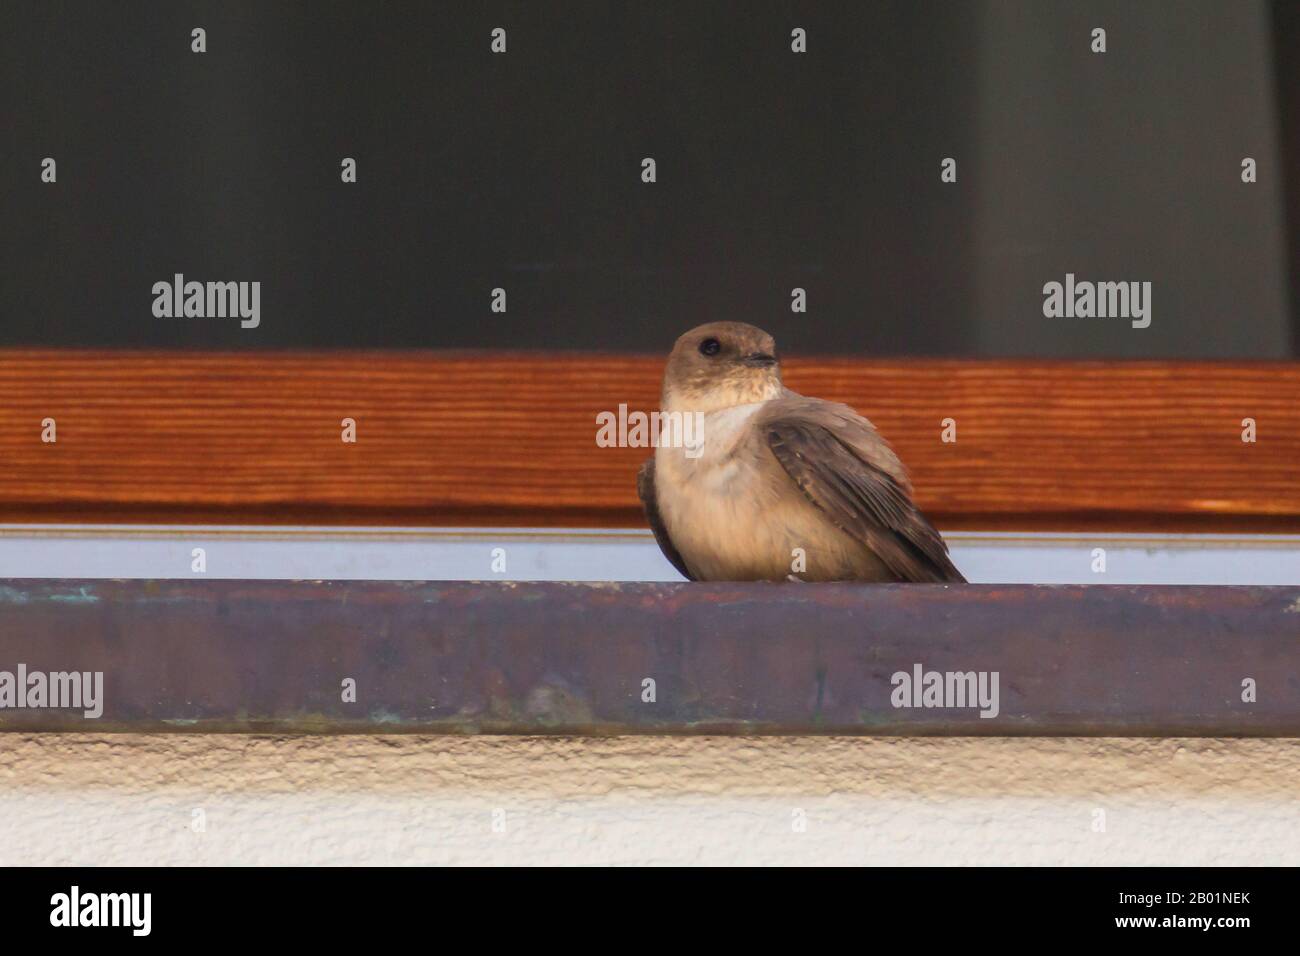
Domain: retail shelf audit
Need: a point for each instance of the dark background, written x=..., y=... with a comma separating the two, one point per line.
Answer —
x=775, y=170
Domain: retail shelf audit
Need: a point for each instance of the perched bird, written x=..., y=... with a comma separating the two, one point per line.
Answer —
x=782, y=486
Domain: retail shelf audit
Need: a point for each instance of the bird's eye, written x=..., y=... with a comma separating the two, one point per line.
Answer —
x=710, y=347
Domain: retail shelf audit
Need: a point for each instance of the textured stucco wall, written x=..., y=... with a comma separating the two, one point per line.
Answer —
x=111, y=799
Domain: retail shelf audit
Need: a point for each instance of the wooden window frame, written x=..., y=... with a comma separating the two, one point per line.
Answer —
x=498, y=439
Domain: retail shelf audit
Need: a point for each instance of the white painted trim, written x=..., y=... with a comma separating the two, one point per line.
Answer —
x=538, y=554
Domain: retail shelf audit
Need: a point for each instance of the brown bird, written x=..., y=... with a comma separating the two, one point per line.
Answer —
x=781, y=486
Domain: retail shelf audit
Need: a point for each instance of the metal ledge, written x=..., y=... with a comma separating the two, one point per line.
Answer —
x=527, y=658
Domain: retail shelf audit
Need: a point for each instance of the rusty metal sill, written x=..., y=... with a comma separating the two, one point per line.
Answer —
x=528, y=658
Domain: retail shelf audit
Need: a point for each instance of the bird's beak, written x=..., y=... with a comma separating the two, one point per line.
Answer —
x=759, y=360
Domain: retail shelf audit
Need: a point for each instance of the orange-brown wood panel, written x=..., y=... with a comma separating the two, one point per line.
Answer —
x=446, y=438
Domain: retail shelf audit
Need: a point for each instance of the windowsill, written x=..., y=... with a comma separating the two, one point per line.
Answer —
x=526, y=658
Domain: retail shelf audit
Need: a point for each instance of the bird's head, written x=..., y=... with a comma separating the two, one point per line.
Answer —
x=720, y=365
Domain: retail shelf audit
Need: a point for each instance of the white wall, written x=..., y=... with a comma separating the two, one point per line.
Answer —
x=129, y=799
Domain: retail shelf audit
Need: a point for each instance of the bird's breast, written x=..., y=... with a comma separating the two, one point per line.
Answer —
x=726, y=509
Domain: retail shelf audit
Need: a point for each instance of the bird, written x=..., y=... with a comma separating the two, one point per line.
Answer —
x=782, y=487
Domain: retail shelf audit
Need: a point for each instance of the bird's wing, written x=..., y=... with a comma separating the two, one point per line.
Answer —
x=843, y=466
x=645, y=487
